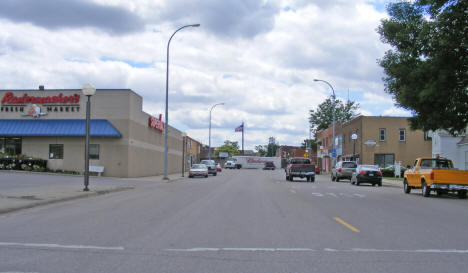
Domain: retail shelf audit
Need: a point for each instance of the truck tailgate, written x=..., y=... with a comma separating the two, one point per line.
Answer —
x=303, y=168
x=451, y=177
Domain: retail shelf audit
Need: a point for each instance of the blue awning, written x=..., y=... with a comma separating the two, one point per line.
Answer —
x=57, y=127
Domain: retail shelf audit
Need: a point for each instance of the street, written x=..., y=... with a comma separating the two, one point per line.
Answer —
x=245, y=220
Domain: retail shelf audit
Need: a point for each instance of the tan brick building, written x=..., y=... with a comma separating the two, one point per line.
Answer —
x=49, y=124
x=380, y=141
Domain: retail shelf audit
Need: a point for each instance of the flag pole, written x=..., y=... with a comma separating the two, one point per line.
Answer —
x=243, y=138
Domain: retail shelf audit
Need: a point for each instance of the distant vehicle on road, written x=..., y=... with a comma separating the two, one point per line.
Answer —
x=198, y=170
x=300, y=167
x=269, y=166
x=230, y=164
x=436, y=174
x=367, y=174
x=211, y=164
x=343, y=170
x=218, y=167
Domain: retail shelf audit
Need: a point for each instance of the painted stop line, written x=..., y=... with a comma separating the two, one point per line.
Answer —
x=338, y=195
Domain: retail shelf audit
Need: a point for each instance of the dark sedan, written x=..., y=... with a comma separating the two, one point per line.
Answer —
x=370, y=174
x=269, y=166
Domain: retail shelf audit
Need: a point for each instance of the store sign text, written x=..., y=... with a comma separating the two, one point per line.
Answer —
x=9, y=98
x=156, y=123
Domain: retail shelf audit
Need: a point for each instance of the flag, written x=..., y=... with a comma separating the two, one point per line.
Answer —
x=240, y=128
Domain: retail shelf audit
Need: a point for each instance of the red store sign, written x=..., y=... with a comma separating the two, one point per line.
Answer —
x=156, y=123
x=9, y=98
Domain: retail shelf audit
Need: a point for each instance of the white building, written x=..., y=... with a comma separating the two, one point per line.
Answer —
x=454, y=148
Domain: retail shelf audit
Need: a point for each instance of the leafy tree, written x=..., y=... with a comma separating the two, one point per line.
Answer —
x=307, y=143
x=427, y=67
x=261, y=150
x=322, y=117
x=269, y=149
x=231, y=147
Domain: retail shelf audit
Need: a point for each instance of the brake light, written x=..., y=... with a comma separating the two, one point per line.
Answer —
x=432, y=175
x=379, y=173
x=362, y=172
x=339, y=170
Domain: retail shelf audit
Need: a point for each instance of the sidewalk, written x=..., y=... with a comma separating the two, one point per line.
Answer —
x=62, y=188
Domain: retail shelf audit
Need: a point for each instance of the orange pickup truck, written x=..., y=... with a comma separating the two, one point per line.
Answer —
x=436, y=174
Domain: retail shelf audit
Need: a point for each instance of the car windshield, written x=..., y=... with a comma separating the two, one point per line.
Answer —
x=199, y=166
x=269, y=164
x=207, y=162
x=435, y=164
x=349, y=165
x=300, y=161
x=369, y=167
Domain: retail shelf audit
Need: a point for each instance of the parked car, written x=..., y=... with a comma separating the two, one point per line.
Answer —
x=269, y=166
x=436, y=174
x=211, y=164
x=300, y=167
x=343, y=170
x=389, y=171
x=198, y=170
x=367, y=174
x=230, y=164
x=218, y=167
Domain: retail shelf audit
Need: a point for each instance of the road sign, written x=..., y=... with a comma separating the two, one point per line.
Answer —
x=333, y=154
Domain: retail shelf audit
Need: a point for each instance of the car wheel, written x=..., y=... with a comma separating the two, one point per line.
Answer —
x=332, y=177
x=312, y=179
x=215, y=174
x=357, y=182
x=379, y=184
x=439, y=192
x=287, y=177
x=425, y=189
x=406, y=188
x=206, y=176
x=337, y=179
x=461, y=194
x=291, y=178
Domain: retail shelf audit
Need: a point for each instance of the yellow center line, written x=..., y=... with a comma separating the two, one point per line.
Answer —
x=339, y=220
x=292, y=191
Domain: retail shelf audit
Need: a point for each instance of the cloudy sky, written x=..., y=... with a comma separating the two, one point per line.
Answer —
x=259, y=57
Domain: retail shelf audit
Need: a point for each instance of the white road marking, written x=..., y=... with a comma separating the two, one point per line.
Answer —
x=337, y=195
x=62, y=246
x=356, y=250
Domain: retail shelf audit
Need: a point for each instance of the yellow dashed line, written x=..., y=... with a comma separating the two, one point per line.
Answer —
x=346, y=224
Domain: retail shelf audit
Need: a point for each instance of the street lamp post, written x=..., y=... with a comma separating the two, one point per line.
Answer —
x=354, y=137
x=88, y=90
x=209, y=131
x=333, y=119
x=184, y=135
x=166, y=147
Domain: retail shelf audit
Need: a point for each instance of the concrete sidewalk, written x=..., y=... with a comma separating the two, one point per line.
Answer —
x=17, y=198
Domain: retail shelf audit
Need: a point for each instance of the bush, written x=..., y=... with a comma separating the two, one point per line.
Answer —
x=388, y=173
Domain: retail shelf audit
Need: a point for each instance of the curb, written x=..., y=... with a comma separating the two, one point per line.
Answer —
x=63, y=199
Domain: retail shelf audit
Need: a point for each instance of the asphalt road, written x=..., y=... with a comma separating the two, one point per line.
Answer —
x=241, y=221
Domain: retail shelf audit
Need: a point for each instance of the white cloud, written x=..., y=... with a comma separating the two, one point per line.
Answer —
x=261, y=62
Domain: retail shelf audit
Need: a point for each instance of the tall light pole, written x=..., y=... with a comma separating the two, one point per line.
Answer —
x=88, y=90
x=184, y=136
x=333, y=119
x=209, y=131
x=166, y=147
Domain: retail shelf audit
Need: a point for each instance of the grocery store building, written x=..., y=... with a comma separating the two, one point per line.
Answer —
x=50, y=124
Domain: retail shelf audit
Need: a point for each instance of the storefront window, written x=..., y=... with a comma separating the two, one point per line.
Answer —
x=55, y=151
x=10, y=145
x=384, y=160
x=93, y=151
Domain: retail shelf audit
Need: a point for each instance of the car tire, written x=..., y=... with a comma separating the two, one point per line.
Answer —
x=215, y=174
x=332, y=178
x=379, y=184
x=461, y=194
x=312, y=179
x=291, y=178
x=206, y=176
x=337, y=179
x=406, y=188
x=426, y=191
x=440, y=192
x=357, y=182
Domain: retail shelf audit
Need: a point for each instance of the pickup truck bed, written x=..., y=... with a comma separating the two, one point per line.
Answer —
x=300, y=167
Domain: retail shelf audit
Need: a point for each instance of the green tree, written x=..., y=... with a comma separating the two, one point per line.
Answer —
x=261, y=150
x=269, y=149
x=322, y=117
x=231, y=147
x=427, y=67
x=307, y=143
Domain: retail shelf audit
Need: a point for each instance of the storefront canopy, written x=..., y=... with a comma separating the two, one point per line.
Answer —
x=57, y=127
